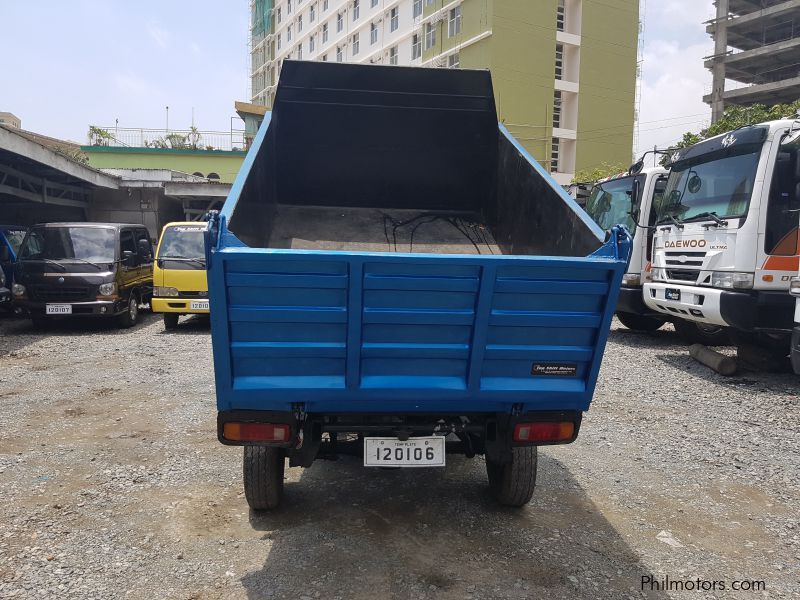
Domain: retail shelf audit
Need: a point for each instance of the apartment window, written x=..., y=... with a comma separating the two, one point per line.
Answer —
x=279, y=42
x=278, y=14
x=559, y=61
x=373, y=3
x=339, y=56
x=556, y=109
x=554, y=151
x=454, y=61
x=394, y=19
x=355, y=44
x=430, y=36
x=416, y=47
x=300, y=23
x=324, y=32
x=312, y=13
x=312, y=42
x=428, y=2
x=373, y=33
x=393, y=55
x=289, y=33
x=356, y=10
x=289, y=7
x=324, y=4
x=560, y=16
x=454, y=23
x=417, y=8
x=339, y=22
x=324, y=58
x=300, y=52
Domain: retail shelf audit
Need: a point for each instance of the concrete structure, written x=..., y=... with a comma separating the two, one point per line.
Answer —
x=756, y=53
x=41, y=184
x=564, y=70
x=217, y=165
x=10, y=120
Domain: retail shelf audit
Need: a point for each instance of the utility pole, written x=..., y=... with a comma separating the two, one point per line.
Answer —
x=167, y=118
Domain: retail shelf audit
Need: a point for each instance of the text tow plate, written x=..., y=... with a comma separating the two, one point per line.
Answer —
x=414, y=452
x=199, y=305
x=672, y=294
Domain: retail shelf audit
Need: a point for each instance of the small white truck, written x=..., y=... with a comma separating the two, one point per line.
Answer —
x=610, y=202
x=726, y=240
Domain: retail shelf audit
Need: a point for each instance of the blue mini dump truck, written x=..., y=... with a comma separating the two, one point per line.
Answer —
x=394, y=276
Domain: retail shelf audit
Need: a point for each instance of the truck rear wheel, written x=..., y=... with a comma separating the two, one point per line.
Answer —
x=170, y=321
x=131, y=315
x=640, y=322
x=263, y=476
x=512, y=484
x=701, y=333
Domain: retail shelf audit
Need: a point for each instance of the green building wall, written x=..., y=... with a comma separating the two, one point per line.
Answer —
x=607, y=98
x=521, y=55
x=224, y=163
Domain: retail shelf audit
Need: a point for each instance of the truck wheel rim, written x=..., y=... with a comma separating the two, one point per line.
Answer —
x=133, y=310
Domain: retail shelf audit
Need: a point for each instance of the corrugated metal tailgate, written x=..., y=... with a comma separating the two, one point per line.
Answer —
x=347, y=332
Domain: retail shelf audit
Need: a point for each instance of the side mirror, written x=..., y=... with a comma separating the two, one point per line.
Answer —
x=635, y=199
x=636, y=168
x=128, y=258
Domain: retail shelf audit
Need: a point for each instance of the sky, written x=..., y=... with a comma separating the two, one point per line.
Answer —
x=91, y=62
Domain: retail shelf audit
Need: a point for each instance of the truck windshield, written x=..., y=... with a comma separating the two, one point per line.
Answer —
x=183, y=242
x=720, y=183
x=609, y=203
x=89, y=244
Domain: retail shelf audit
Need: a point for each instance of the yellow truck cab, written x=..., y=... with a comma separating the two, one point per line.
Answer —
x=180, y=286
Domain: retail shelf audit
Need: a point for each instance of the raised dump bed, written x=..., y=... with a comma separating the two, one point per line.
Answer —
x=392, y=264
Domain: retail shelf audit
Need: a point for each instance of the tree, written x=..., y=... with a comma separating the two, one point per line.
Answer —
x=595, y=174
x=736, y=117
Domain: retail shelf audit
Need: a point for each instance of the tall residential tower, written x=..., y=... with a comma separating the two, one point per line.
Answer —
x=564, y=71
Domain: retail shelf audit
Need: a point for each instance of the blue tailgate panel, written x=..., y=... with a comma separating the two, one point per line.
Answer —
x=359, y=332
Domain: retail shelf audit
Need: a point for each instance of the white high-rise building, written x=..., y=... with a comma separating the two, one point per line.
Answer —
x=392, y=32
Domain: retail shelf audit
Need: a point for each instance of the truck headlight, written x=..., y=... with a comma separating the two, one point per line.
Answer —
x=107, y=289
x=632, y=280
x=165, y=292
x=18, y=290
x=794, y=287
x=738, y=281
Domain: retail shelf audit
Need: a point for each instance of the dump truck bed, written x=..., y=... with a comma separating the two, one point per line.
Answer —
x=321, y=301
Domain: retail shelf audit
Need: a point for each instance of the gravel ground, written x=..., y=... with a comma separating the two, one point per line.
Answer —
x=113, y=486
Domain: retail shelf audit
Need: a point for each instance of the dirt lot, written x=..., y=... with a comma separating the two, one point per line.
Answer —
x=113, y=486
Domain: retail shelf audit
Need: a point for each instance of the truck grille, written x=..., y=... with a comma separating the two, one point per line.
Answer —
x=203, y=294
x=685, y=259
x=47, y=293
x=682, y=275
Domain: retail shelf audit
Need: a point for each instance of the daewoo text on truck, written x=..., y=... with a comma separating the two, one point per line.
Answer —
x=726, y=243
x=393, y=276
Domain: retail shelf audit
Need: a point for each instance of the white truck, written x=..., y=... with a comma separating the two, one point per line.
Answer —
x=726, y=240
x=610, y=202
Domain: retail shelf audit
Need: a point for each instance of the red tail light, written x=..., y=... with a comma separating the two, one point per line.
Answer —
x=554, y=431
x=256, y=432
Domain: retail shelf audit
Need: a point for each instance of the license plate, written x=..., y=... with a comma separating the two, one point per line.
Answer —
x=672, y=294
x=58, y=309
x=199, y=305
x=414, y=452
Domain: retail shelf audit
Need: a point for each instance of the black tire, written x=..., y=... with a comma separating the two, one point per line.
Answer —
x=131, y=315
x=171, y=321
x=512, y=484
x=263, y=476
x=700, y=333
x=640, y=322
